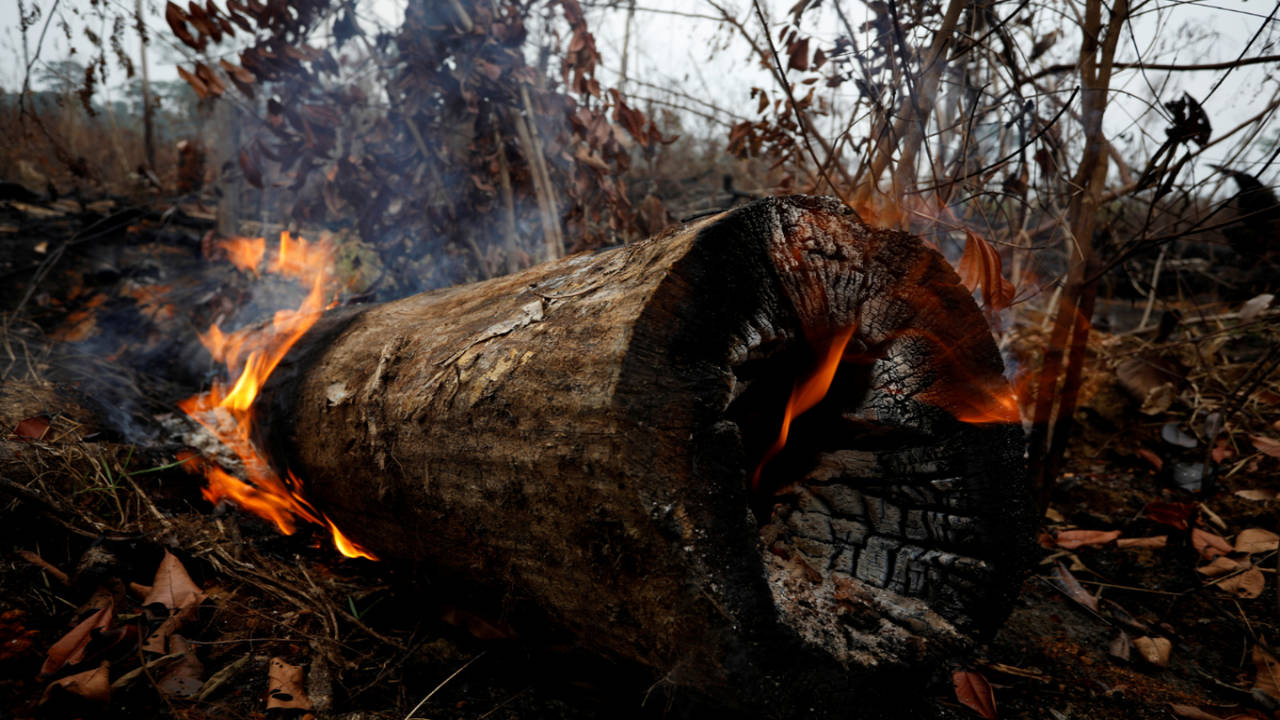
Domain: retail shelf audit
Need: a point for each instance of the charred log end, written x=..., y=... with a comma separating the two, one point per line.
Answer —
x=582, y=435
x=889, y=533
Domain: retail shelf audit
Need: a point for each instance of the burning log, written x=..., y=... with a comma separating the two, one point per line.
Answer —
x=604, y=435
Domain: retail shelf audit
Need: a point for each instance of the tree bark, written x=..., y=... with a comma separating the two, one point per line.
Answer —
x=582, y=435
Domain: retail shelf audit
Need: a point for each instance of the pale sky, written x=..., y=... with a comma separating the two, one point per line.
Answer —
x=700, y=57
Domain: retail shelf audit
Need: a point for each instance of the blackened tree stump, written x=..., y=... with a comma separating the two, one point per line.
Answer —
x=583, y=435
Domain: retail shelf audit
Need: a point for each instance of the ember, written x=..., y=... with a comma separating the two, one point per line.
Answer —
x=226, y=410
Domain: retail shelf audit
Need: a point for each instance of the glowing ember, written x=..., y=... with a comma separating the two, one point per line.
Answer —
x=998, y=405
x=806, y=393
x=226, y=410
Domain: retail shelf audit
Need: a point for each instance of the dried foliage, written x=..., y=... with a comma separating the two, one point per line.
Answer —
x=458, y=134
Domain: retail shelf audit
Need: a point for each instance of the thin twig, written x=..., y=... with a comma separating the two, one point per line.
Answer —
x=781, y=75
x=444, y=682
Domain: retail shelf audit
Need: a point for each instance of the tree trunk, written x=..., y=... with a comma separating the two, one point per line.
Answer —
x=583, y=435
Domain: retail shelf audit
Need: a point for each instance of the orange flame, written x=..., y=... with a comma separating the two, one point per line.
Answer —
x=227, y=411
x=245, y=253
x=806, y=393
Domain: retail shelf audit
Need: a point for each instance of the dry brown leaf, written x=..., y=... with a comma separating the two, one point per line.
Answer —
x=284, y=686
x=196, y=83
x=1266, y=445
x=174, y=588
x=981, y=266
x=69, y=649
x=974, y=692
x=1248, y=584
x=1121, y=646
x=1222, y=565
x=186, y=676
x=93, y=685
x=1155, y=541
x=1267, y=676
x=1222, y=449
x=1072, y=539
x=1154, y=650
x=1257, y=540
x=1075, y=590
x=158, y=640
x=1177, y=515
x=798, y=55
x=1211, y=517
x=1156, y=461
x=1208, y=544
x=1257, y=494
x=1191, y=712
x=33, y=428
x=177, y=20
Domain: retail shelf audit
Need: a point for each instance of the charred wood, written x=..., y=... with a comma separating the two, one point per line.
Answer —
x=582, y=435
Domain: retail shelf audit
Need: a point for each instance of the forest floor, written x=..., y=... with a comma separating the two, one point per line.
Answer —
x=1155, y=595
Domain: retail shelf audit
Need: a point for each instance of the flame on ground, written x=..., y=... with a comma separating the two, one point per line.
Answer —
x=245, y=253
x=806, y=393
x=226, y=410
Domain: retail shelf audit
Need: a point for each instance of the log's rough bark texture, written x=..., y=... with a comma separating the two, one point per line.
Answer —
x=582, y=435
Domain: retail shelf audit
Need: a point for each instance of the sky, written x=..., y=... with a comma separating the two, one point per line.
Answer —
x=679, y=45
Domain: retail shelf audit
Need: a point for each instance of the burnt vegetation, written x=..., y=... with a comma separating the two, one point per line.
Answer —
x=632, y=425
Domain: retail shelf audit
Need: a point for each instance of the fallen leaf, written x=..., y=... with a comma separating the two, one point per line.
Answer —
x=1072, y=539
x=1208, y=544
x=1155, y=541
x=284, y=686
x=1117, y=612
x=1255, y=305
x=93, y=685
x=1211, y=517
x=186, y=676
x=69, y=649
x=33, y=428
x=1248, y=584
x=1257, y=540
x=1156, y=461
x=1121, y=646
x=1266, y=445
x=974, y=692
x=1075, y=590
x=16, y=639
x=1222, y=565
x=174, y=588
x=1149, y=380
x=1177, y=515
x=1257, y=494
x=1222, y=450
x=1154, y=650
x=1191, y=712
x=1267, y=676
